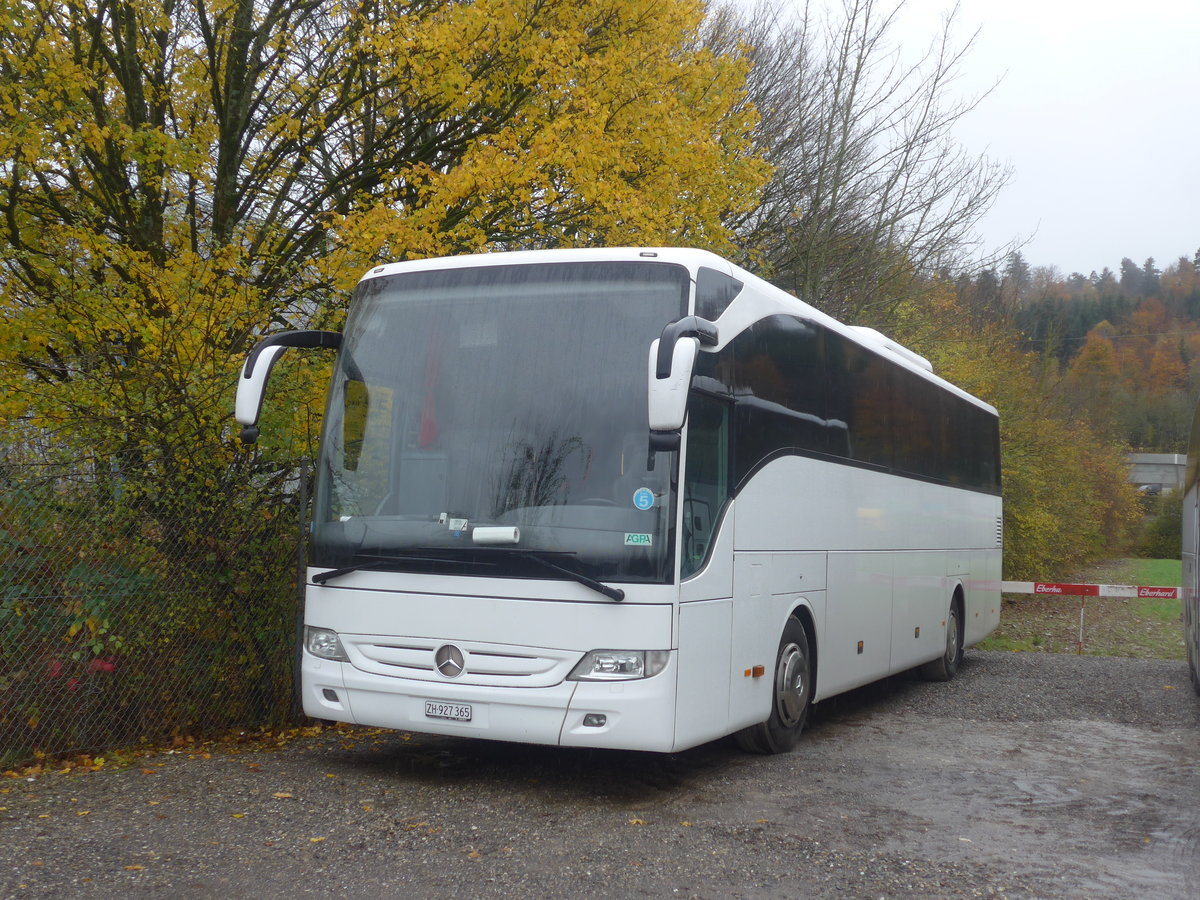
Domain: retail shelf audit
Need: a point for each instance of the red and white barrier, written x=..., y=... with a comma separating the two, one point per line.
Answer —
x=1089, y=590
x=1083, y=591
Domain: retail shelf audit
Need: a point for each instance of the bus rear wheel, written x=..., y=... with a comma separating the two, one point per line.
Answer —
x=790, y=698
x=944, y=667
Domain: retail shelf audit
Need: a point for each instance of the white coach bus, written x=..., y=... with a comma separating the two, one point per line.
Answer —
x=629, y=498
x=1191, y=553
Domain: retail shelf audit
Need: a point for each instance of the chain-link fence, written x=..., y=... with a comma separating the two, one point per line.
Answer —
x=127, y=616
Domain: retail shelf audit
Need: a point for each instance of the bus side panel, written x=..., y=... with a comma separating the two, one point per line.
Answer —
x=858, y=621
x=982, y=591
x=1190, y=600
x=920, y=601
x=766, y=589
x=890, y=540
x=797, y=503
x=704, y=667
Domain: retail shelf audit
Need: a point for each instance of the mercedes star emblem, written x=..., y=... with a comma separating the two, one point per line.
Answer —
x=449, y=660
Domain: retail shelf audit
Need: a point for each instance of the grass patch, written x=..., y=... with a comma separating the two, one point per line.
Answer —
x=1148, y=628
x=1160, y=572
x=1158, y=608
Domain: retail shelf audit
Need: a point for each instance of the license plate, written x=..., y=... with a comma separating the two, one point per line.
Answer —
x=458, y=712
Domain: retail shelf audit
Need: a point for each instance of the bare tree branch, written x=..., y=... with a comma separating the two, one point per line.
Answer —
x=871, y=191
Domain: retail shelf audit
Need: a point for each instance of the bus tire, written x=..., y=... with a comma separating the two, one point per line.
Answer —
x=791, y=696
x=945, y=666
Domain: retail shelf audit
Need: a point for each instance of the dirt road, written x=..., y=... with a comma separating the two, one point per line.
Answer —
x=1030, y=775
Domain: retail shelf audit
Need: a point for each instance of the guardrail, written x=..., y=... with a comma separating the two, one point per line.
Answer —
x=1083, y=591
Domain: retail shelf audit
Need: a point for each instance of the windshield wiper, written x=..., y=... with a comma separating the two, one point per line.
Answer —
x=610, y=592
x=389, y=562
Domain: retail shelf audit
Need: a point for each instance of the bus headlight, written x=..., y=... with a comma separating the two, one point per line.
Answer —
x=324, y=644
x=619, y=665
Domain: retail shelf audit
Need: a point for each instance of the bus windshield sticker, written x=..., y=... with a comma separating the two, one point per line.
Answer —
x=639, y=540
x=643, y=498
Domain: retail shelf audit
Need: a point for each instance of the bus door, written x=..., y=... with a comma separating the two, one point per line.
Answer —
x=706, y=574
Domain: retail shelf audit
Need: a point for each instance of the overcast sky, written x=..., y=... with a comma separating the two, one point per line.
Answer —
x=1098, y=113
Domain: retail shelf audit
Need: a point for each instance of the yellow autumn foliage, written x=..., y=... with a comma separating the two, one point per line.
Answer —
x=178, y=178
x=1066, y=496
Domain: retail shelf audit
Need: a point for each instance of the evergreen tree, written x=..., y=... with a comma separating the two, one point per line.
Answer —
x=1150, y=275
x=1018, y=277
x=1105, y=283
x=1131, y=278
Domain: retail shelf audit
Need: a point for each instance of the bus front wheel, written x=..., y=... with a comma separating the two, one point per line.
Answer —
x=790, y=699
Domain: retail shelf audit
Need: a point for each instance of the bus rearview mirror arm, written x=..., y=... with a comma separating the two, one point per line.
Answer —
x=252, y=385
x=689, y=326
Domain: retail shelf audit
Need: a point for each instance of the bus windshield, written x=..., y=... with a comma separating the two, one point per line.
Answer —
x=485, y=419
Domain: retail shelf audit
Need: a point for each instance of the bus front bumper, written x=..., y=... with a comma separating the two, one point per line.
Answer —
x=628, y=715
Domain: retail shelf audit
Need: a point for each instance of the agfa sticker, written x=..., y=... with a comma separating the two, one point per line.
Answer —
x=639, y=540
x=643, y=498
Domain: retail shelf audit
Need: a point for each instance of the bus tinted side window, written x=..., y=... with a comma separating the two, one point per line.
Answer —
x=714, y=292
x=778, y=385
x=800, y=388
x=919, y=428
x=972, y=452
x=861, y=396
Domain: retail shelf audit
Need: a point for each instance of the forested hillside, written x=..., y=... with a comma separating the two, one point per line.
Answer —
x=1123, y=346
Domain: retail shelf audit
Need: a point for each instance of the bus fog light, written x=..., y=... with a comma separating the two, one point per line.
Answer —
x=619, y=665
x=324, y=644
x=594, y=720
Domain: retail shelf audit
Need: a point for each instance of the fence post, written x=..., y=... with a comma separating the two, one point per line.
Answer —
x=1079, y=643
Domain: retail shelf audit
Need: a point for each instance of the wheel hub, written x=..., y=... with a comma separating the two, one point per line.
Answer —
x=791, y=685
x=952, y=637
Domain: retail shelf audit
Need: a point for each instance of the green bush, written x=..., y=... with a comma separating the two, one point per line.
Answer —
x=1162, y=536
x=127, y=616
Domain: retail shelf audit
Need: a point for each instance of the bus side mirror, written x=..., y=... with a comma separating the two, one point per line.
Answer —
x=668, y=396
x=672, y=361
x=252, y=385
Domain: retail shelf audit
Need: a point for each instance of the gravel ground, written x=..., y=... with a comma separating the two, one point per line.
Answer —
x=1030, y=775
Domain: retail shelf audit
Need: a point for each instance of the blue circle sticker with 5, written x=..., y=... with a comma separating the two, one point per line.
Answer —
x=643, y=498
